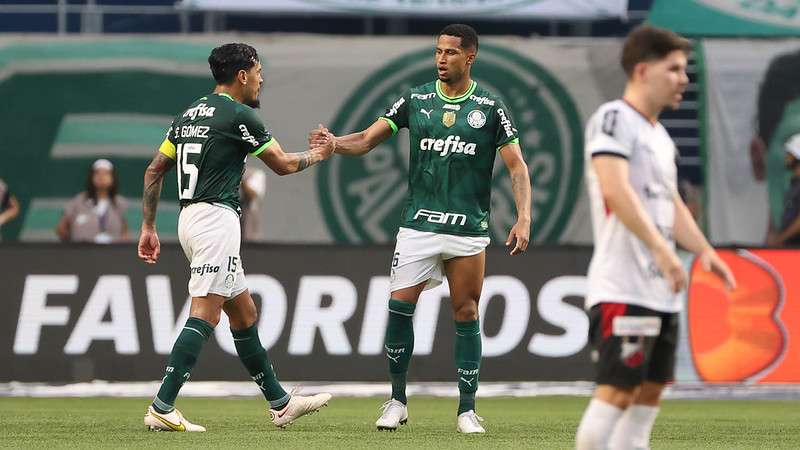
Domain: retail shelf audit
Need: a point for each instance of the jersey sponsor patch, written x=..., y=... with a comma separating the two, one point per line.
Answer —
x=505, y=123
x=395, y=107
x=452, y=144
x=247, y=137
x=201, y=110
x=203, y=270
x=636, y=326
x=441, y=217
x=481, y=100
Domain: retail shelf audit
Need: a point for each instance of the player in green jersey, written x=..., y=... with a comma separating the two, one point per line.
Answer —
x=209, y=142
x=456, y=128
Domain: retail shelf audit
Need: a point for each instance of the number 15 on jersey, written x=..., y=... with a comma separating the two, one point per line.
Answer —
x=187, y=170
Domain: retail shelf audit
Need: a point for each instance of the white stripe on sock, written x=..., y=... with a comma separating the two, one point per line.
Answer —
x=195, y=330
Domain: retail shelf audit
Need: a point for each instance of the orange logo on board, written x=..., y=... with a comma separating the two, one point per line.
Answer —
x=737, y=335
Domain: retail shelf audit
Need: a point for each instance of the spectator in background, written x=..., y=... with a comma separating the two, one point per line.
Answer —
x=789, y=230
x=251, y=196
x=9, y=206
x=97, y=214
x=778, y=120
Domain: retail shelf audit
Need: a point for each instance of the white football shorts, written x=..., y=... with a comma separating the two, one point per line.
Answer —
x=420, y=255
x=211, y=236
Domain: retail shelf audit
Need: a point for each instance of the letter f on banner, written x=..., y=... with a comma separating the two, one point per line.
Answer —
x=34, y=312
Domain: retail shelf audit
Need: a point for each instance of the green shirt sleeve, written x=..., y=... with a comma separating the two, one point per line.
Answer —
x=506, y=132
x=251, y=131
x=397, y=114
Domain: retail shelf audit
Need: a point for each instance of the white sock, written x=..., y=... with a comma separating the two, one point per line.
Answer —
x=596, y=425
x=632, y=431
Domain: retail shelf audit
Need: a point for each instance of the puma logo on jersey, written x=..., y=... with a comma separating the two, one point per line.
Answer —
x=396, y=359
x=469, y=382
x=201, y=110
x=452, y=144
x=427, y=113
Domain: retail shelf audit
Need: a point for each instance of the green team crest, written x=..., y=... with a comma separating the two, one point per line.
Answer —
x=362, y=197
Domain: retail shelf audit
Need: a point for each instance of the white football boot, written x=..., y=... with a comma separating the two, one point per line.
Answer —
x=174, y=421
x=395, y=413
x=297, y=407
x=469, y=422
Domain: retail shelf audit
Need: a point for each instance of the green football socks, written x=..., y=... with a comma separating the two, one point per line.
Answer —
x=468, y=362
x=181, y=361
x=256, y=360
x=399, y=345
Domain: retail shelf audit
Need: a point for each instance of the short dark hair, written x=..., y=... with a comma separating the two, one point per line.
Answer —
x=469, y=38
x=647, y=43
x=227, y=60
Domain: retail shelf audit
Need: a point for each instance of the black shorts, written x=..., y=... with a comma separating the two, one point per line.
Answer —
x=629, y=352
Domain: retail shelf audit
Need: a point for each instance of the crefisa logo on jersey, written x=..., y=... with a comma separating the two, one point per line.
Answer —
x=362, y=198
x=201, y=110
x=476, y=118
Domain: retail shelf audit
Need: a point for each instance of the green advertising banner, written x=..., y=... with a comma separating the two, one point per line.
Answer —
x=728, y=17
x=69, y=102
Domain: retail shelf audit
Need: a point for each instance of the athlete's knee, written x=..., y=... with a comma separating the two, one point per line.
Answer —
x=243, y=320
x=618, y=396
x=241, y=310
x=650, y=394
x=210, y=316
x=466, y=311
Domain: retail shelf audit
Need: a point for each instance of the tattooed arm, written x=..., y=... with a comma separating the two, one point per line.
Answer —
x=149, y=245
x=521, y=187
x=284, y=163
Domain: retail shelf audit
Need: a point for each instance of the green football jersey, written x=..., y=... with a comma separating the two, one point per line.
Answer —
x=453, y=147
x=210, y=142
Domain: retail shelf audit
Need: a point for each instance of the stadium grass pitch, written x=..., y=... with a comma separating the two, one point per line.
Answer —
x=348, y=423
